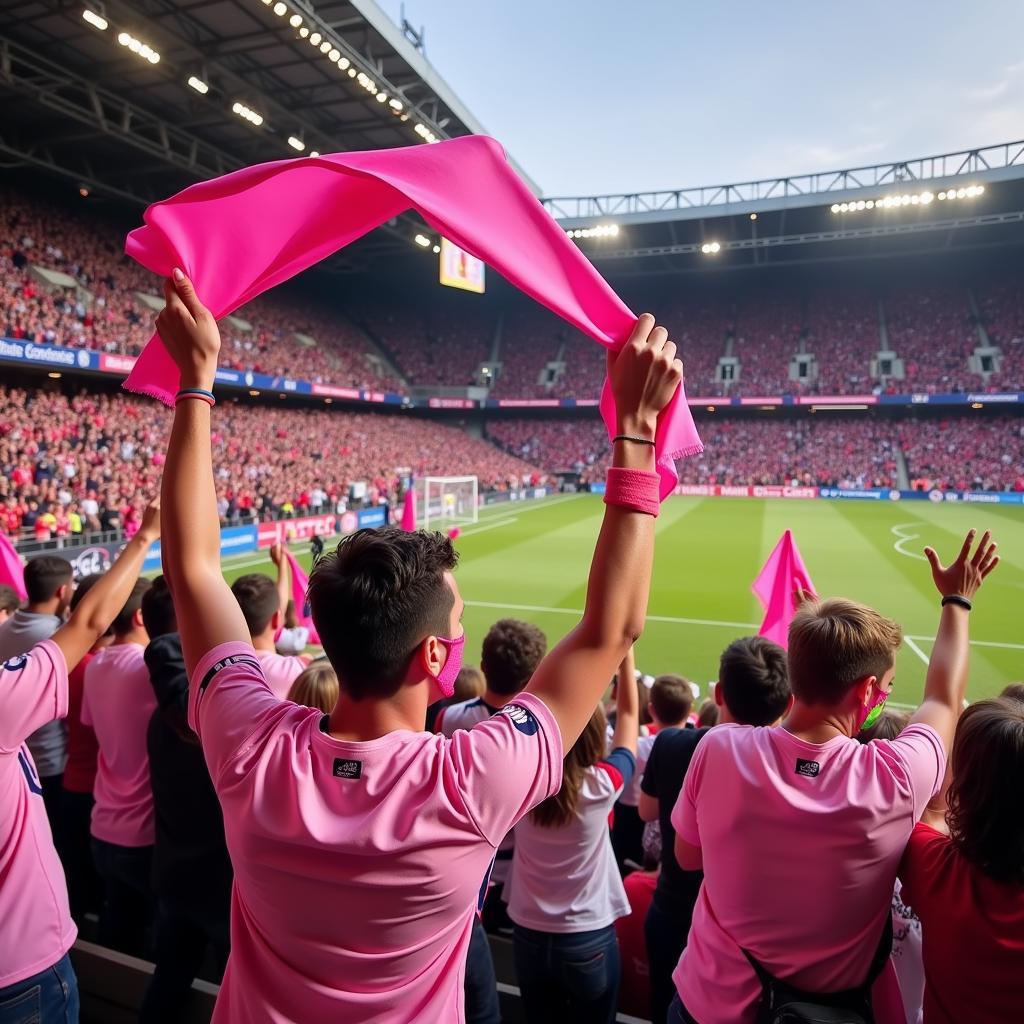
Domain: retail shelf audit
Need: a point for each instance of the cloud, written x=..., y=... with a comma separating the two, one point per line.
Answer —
x=1011, y=77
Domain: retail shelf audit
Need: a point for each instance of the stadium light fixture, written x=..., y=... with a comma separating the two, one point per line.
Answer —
x=143, y=50
x=710, y=248
x=423, y=241
x=94, y=19
x=295, y=20
x=296, y=143
x=325, y=46
x=198, y=84
x=315, y=39
x=53, y=375
x=314, y=152
x=303, y=32
x=598, y=231
x=436, y=249
x=333, y=55
x=344, y=63
x=396, y=105
x=280, y=9
x=247, y=114
x=925, y=198
x=753, y=216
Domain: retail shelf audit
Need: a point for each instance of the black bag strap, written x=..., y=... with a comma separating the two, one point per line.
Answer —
x=882, y=953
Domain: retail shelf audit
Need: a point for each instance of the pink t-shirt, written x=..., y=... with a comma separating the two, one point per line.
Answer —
x=36, y=929
x=118, y=702
x=357, y=865
x=280, y=671
x=801, y=843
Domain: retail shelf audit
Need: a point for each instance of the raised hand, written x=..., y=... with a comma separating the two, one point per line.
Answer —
x=189, y=333
x=965, y=574
x=644, y=375
x=276, y=552
x=150, y=528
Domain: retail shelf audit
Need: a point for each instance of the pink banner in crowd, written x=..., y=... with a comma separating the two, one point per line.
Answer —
x=12, y=572
x=238, y=235
x=300, y=584
x=783, y=574
x=409, y=510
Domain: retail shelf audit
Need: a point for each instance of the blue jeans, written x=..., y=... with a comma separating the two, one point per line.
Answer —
x=567, y=978
x=49, y=997
x=481, y=985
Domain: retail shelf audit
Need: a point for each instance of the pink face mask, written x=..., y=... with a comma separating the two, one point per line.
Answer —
x=869, y=714
x=445, y=679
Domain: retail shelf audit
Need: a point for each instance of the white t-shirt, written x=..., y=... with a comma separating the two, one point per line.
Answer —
x=631, y=794
x=564, y=878
x=357, y=865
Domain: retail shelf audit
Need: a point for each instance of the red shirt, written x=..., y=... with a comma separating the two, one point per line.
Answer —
x=635, y=986
x=83, y=750
x=973, y=934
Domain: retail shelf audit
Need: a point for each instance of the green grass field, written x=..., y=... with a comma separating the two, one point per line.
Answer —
x=530, y=561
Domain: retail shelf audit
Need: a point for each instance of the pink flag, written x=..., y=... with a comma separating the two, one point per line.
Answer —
x=783, y=574
x=300, y=584
x=409, y=509
x=238, y=235
x=12, y=572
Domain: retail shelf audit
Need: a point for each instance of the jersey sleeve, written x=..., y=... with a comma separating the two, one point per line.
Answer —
x=684, y=814
x=33, y=691
x=505, y=766
x=619, y=766
x=920, y=858
x=229, y=701
x=919, y=756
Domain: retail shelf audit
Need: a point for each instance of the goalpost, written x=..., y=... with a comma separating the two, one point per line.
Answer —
x=448, y=501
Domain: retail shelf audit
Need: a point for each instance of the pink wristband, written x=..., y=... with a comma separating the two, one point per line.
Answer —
x=633, y=489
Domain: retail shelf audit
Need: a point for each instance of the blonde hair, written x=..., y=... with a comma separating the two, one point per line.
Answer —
x=316, y=686
x=835, y=643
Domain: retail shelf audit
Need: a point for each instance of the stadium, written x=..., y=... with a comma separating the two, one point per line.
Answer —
x=852, y=344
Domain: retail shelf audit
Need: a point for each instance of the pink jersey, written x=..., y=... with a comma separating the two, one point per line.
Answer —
x=357, y=865
x=801, y=844
x=280, y=671
x=36, y=929
x=118, y=702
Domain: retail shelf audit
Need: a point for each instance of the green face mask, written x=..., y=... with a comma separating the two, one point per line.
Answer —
x=874, y=713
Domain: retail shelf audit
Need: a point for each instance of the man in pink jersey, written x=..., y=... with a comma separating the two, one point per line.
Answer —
x=118, y=702
x=263, y=603
x=800, y=829
x=36, y=979
x=359, y=841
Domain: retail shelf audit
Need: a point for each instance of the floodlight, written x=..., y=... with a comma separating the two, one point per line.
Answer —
x=198, y=84
x=94, y=19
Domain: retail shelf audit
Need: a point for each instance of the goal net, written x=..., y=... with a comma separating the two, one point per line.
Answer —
x=448, y=501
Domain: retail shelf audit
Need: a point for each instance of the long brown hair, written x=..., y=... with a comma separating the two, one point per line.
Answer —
x=986, y=821
x=560, y=809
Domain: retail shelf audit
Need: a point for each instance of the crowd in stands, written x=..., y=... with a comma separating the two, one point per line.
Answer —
x=85, y=463
x=977, y=455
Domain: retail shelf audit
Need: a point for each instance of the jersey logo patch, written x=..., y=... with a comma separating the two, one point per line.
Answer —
x=346, y=768
x=15, y=664
x=521, y=719
x=808, y=768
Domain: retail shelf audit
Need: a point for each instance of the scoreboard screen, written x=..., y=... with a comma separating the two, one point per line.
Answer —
x=459, y=269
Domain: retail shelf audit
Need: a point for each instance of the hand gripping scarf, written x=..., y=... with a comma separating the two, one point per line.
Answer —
x=238, y=235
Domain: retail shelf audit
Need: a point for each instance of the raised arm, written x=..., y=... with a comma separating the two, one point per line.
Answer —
x=208, y=614
x=627, y=705
x=946, y=679
x=99, y=607
x=284, y=577
x=644, y=377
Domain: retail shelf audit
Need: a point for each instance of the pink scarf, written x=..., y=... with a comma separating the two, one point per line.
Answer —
x=300, y=584
x=238, y=235
x=781, y=576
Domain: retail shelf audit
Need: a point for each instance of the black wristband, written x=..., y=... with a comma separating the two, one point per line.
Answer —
x=632, y=439
x=958, y=600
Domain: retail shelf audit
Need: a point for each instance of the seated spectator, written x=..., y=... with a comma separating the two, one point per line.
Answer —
x=37, y=927
x=964, y=875
x=374, y=827
x=635, y=986
x=191, y=871
x=316, y=686
x=117, y=703
x=752, y=689
x=669, y=703
x=774, y=787
x=565, y=892
x=9, y=602
x=707, y=714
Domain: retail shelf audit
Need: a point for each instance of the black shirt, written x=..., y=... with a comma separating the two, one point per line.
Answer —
x=676, y=891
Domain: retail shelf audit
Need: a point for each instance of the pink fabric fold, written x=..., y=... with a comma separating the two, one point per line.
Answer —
x=238, y=235
x=783, y=574
x=12, y=572
x=300, y=584
x=409, y=509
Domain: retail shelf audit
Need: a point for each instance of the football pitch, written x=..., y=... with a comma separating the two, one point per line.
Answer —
x=529, y=560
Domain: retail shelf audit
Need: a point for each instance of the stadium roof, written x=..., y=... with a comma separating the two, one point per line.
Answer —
x=139, y=98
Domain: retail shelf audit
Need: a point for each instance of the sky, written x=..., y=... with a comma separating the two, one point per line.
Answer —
x=595, y=96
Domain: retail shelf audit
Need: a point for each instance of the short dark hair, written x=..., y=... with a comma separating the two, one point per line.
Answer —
x=256, y=594
x=44, y=576
x=9, y=600
x=833, y=644
x=123, y=622
x=84, y=585
x=158, y=609
x=984, y=817
x=375, y=598
x=512, y=650
x=754, y=678
x=672, y=699
x=1015, y=691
